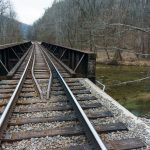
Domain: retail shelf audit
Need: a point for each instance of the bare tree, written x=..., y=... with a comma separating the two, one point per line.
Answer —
x=9, y=27
x=91, y=24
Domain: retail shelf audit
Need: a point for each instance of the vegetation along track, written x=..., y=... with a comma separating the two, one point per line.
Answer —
x=47, y=114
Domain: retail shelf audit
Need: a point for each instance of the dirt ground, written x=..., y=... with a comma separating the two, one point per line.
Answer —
x=128, y=59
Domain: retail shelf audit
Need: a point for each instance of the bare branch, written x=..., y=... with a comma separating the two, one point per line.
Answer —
x=130, y=26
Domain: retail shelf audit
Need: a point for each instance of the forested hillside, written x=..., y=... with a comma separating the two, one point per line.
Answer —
x=24, y=30
x=10, y=29
x=96, y=24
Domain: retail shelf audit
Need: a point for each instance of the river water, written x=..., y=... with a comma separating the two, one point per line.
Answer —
x=134, y=96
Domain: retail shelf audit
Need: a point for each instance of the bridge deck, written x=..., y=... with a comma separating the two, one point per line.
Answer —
x=48, y=108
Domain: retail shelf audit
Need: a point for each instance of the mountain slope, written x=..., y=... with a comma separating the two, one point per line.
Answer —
x=24, y=28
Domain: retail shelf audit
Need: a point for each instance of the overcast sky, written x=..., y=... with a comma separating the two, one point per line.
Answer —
x=29, y=11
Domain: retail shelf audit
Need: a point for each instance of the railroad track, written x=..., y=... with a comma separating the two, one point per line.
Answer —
x=7, y=87
x=51, y=111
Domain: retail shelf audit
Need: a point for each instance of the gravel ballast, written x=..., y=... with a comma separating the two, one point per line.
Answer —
x=45, y=143
x=136, y=126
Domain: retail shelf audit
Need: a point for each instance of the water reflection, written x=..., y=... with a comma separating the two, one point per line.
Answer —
x=135, y=97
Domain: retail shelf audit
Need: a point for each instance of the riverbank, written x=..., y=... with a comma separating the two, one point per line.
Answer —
x=128, y=58
x=145, y=63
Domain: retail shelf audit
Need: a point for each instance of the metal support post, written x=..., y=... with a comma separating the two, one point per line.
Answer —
x=79, y=62
x=63, y=54
x=4, y=66
x=15, y=54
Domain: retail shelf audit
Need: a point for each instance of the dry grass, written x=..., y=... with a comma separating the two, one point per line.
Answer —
x=128, y=58
x=136, y=63
x=143, y=97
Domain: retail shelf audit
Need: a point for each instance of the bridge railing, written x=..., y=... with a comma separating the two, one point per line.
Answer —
x=82, y=63
x=10, y=55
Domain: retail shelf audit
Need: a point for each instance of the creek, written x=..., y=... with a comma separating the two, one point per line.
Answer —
x=133, y=96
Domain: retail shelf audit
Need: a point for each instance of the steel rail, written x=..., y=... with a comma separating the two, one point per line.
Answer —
x=35, y=80
x=96, y=141
x=50, y=78
x=8, y=109
x=49, y=86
